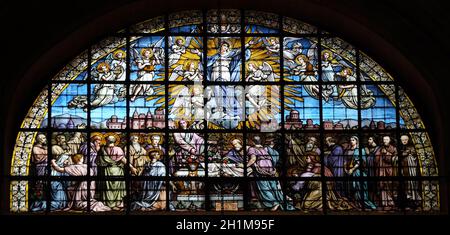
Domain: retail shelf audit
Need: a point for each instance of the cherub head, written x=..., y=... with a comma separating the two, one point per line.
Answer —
x=346, y=72
x=191, y=65
x=273, y=41
x=252, y=66
x=327, y=55
x=301, y=59
x=103, y=67
x=147, y=53
x=180, y=41
x=119, y=54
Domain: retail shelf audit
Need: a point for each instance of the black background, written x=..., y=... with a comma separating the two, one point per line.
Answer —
x=419, y=30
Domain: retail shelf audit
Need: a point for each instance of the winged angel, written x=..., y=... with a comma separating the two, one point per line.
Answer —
x=112, y=68
x=298, y=63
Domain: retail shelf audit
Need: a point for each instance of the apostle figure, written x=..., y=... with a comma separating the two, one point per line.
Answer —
x=58, y=187
x=155, y=143
x=371, y=149
x=236, y=154
x=268, y=192
x=61, y=143
x=385, y=161
x=74, y=143
x=311, y=190
x=153, y=194
x=111, y=160
x=410, y=168
x=78, y=192
x=335, y=162
x=91, y=157
x=138, y=156
x=311, y=145
x=190, y=145
x=39, y=162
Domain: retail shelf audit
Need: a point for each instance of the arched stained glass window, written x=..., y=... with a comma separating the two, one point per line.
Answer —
x=223, y=110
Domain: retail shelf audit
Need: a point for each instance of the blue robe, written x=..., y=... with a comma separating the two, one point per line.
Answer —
x=358, y=188
x=151, y=189
x=226, y=97
x=58, y=196
x=269, y=192
x=235, y=157
x=335, y=162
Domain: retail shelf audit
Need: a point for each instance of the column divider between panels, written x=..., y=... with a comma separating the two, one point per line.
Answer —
x=205, y=126
x=166, y=110
x=321, y=132
x=128, y=177
x=88, y=126
x=282, y=120
x=245, y=191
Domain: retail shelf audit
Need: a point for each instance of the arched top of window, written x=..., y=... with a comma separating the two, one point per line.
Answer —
x=157, y=111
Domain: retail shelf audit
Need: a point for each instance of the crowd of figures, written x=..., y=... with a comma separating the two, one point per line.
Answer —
x=357, y=171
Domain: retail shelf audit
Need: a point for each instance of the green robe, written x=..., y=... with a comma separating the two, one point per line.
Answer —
x=110, y=163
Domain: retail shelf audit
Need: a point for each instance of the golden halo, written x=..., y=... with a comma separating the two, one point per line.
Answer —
x=187, y=63
x=330, y=57
x=99, y=134
x=233, y=137
x=149, y=138
x=117, y=52
x=225, y=41
x=183, y=41
x=112, y=134
x=143, y=50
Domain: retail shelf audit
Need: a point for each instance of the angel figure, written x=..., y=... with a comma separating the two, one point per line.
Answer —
x=304, y=69
x=190, y=71
x=149, y=58
x=349, y=93
x=328, y=74
x=188, y=102
x=106, y=93
x=293, y=47
x=272, y=45
x=118, y=64
x=256, y=93
x=177, y=48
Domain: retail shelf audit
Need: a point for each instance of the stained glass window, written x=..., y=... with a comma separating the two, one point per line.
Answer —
x=223, y=110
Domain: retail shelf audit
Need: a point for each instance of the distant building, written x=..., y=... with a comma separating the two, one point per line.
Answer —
x=70, y=124
x=339, y=126
x=310, y=125
x=328, y=125
x=114, y=123
x=293, y=120
x=139, y=121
